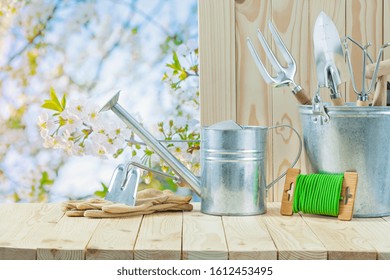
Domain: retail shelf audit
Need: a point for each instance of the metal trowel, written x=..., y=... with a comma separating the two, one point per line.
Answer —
x=329, y=57
x=124, y=184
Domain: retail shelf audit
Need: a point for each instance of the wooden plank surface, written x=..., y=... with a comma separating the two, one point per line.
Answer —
x=159, y=237
x=67, y=240
x=254, y=98
x=203, y=237
x=375, y=231
x=292, y=21
x=293, y=238
x=12, y=221
x=340, y=238
x=364, y=24
x=217, y=60
x=22, y=226
x=248, y=238
x=114, y=239
x=30, y=231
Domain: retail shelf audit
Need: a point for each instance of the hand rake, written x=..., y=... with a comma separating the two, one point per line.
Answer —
x=285, y=75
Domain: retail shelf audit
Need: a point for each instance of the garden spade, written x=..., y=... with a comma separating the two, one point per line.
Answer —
x=329, y=57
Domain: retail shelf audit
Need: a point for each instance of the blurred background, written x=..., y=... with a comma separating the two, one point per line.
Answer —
x=89, y=50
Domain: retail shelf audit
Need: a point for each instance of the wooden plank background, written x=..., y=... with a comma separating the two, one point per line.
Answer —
x=251, y=100
x=217, y=47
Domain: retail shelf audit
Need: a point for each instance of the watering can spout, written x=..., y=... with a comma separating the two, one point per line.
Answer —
x=186, y=175
x=111, y=103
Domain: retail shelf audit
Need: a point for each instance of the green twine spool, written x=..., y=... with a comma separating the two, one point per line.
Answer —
x=318, y=194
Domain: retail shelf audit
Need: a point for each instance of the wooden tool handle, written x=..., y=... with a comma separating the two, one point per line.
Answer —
x=302, y=97
x=380, y=96
x=384, y=69
x=362, y=103
x=338, y=101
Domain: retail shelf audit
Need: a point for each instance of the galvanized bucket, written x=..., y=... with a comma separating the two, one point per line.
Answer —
x=233, y=176
x=353, y=139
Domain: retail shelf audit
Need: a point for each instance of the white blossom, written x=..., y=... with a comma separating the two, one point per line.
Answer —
x=72, y=121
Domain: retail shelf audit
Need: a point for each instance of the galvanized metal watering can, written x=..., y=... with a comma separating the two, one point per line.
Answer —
x=233, y=163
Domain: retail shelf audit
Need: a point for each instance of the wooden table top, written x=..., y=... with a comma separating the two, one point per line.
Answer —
x=41, y=231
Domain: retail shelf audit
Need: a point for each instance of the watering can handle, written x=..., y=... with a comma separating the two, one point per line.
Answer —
x=295, y=160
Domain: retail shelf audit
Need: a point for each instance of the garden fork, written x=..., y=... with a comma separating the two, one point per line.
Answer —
x=285, y=75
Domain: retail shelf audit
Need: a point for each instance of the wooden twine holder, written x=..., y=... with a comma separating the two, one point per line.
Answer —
x=348, y=193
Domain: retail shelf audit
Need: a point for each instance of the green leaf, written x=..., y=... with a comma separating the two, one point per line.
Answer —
x=48, y=104
x=53, y=96
x=63, y=101
x=176, y=61
x=195, y=68
x=16, y=197
x=45, y=180
x=119, y=152
x=183, y=75
x=165, y=77
x=102, y=193
x=176, y=66
x=169, y=184
x=148, y=152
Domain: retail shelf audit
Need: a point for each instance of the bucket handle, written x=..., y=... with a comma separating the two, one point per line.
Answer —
x=295, y=160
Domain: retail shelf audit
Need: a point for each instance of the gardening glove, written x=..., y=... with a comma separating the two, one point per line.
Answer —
x=148, y=201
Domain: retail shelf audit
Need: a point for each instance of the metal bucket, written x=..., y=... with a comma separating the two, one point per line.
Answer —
x=233, y=176
x=354, y=139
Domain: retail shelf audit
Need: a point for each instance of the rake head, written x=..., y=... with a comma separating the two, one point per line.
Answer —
x=284, y=75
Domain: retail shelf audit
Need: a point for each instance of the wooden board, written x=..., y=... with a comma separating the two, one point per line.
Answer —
x=203, y=237
x=217, y=60
x=340, y=238
x=159, y=237
x=22, y=226
x=248, y=238
x=114, y=239
x=386, y=26
x=364, y=24
x=254, y=96
x=375, y=230
x=292, y=236
x=67, y=240
x=32, y=231
x=291, y=18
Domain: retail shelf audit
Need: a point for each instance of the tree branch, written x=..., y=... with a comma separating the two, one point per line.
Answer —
x=36, y=35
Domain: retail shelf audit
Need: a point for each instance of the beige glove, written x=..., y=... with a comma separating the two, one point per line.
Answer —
x=148, y=201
